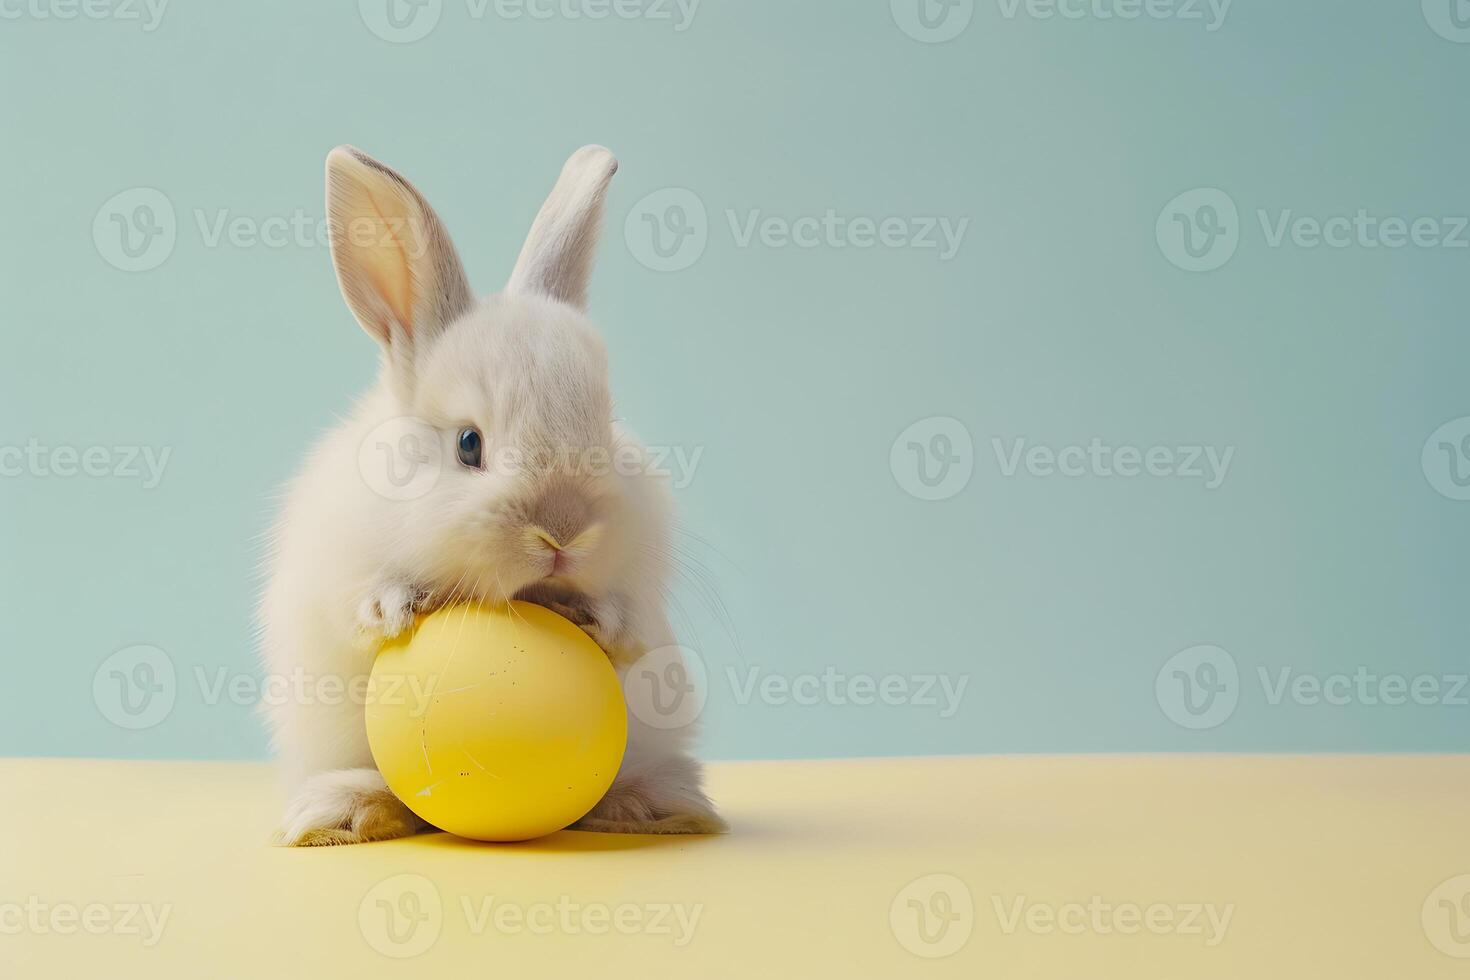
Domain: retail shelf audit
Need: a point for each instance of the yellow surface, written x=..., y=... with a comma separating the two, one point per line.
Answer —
x=1340, y=867
x=498, y=723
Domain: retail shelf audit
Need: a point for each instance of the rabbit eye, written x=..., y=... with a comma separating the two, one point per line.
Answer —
x=471, y=447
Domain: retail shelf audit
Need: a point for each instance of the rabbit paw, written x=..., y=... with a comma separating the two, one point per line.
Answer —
x=599, y=618
x=390, y=608
x=657, y=799
x=345, y=806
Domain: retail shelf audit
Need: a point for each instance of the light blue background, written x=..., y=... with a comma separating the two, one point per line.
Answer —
x=1060, y=319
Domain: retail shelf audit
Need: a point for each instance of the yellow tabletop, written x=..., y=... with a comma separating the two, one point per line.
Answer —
x=1059, y=867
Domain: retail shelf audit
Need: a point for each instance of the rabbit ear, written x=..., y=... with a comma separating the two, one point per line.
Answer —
x=395, y=263
x=556, y=260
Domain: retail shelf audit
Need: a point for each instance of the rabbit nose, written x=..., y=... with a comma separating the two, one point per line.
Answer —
x=562, y=512
x=559, y=560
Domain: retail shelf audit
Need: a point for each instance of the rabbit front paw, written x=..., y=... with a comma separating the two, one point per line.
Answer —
x=390, y=608
x=599, y=617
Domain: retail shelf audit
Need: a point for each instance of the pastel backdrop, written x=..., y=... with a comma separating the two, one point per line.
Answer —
x=791, y=354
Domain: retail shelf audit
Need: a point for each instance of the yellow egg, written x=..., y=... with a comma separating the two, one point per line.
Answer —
x=497, y=723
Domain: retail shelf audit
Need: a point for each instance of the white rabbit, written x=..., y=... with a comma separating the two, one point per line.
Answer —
x=497, y=418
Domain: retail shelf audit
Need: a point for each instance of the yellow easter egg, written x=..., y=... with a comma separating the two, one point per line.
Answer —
x=497, y=723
